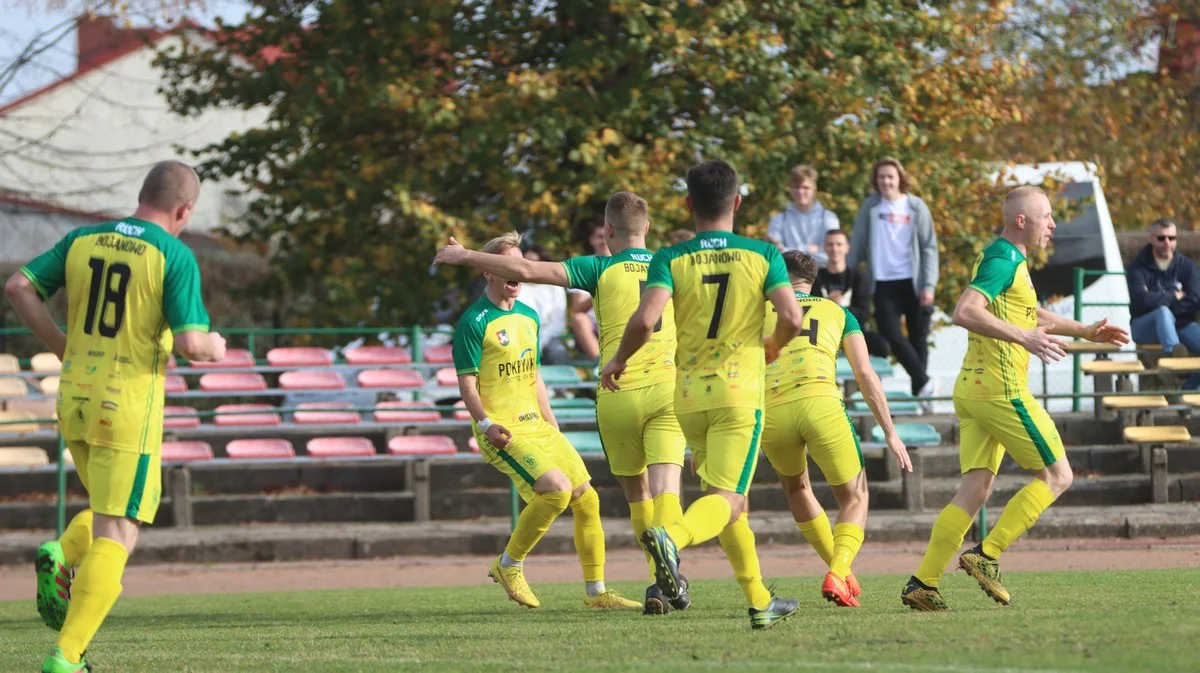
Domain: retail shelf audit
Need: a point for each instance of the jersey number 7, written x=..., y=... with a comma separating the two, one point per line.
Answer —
x=722, y=282
x=113, y=295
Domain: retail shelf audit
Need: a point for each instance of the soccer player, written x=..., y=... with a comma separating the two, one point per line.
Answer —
x=133, y=290
x=642, y=440
x=995, y=409
x=805, y=409
x=717, y=282
x=496, y=355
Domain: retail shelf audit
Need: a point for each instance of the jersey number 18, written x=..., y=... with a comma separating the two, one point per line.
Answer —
x=107, y=289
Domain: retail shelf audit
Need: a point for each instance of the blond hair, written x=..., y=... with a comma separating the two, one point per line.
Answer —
x=627, y=213
x=1019, y=201
x=169, y=185
x=503, y=243
x=802, y=172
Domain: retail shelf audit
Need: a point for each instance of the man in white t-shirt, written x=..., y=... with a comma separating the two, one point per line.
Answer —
x=803, y=224
x=550, y=304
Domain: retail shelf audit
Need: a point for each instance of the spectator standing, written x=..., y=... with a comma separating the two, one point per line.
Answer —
x=583, y=312
x=1164, y=295
x=550, y=304
x=803, y=224
x=894, y=234
x=849, y=288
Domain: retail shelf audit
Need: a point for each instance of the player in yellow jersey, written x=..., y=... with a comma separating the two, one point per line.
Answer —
x=995, y=409
x=497, y=357
x=133, y=292
x=717, y=283
x=806, y=415
x=642, y=440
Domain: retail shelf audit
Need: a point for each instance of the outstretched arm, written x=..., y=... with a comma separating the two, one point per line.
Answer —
x=27, y=302
x=855, y=347
x=505, y=266
x=1099, y=331
x=972, y=313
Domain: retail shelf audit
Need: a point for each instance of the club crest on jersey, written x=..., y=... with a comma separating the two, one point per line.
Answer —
x=502, y=337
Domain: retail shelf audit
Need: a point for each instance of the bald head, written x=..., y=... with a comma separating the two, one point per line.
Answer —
x=1028, y=218
x=168, y=186
x=1024, y=200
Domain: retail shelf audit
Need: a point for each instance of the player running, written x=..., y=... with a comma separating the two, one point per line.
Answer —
x=717, y=282
x=996, y=411
x=805, y=411
x=496, y=354
x=133, y=290
x=642, y=440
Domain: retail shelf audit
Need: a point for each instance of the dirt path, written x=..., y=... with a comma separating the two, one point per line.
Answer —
x=1087, y=554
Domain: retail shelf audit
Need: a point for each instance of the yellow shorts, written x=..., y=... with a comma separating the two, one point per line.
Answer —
x=638, y=428
x=119, y=483
x=724, y=443
x=819, y=424
x=988, y=428
x=535, y=449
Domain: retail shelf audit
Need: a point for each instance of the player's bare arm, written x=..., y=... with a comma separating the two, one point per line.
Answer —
x=508, y=267
x=1099, y=331
x=27, y=302
x=468, y=389
x=578, y=305
x=788, y=325
x=637, y=333
x=855, y=348
x=543, y=398
x=199, y=346
x=972, y=314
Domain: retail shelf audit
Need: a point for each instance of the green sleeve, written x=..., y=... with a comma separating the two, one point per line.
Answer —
x=659, y=274
x=183, y=306
x=468, y=342
x=851, y=326
x=48, y=271
x=583, y=273
x=994, y=275
x=777, y=275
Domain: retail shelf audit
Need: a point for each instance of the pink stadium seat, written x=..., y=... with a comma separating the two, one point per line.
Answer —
x=260, y=448
x=184, y=451
x=378, y=355
x=192, y=420
x=461, y=413
x=384, y=412
x=473, y=445
x=421, y=445
x=390, y=378
x=174, y=383
x=308, y=417
x=234, y=358
x=438, y=355
x=266, y=416
x=312, y=379
x=447, y=377
x=171, y=364
x=232, y=382
x=340, y=447
x=305, y=356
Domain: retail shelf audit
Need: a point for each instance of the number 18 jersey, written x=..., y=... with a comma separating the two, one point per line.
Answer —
x=130, y=285
x=718, y=282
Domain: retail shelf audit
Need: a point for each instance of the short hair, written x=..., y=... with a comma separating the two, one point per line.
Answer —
x=627, y=213
x=503, y=243
x=1019, y=200
x=800, y=266
x=803, y=172
x=837, y=232
x=680, y=235
x=169, y=185
x=905, y=184
x=712, y=187
x=1163, y=223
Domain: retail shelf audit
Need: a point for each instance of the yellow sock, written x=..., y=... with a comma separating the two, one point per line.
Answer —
x=947, y=536
x=667, y=509
x=738, y=542
x=641, y=515
x=1018, y=516
x=77, y=538
x=703, y=521
x=589, y=535
x=819, y=535
x=93, y=594
x=534, y=521
x=847, y=540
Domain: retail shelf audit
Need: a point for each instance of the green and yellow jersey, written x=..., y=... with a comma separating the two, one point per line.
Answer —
x=616, y=284
x=718, y=282
x=501, y=348
x=130, y=286
x=807, y=366
x=995, y=369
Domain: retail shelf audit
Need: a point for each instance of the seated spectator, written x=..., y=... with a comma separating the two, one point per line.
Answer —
x=803, y=224
x=583, y=312
x=550, y=304
x=1164, y=295
x=680, y=235
x=849, y=287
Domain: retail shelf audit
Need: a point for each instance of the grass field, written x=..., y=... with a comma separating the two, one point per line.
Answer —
x=1060, y=621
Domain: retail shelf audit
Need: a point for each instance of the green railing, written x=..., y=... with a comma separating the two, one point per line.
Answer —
x=1081, y=274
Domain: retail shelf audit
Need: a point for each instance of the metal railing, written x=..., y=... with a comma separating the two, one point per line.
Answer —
x=1081, y=274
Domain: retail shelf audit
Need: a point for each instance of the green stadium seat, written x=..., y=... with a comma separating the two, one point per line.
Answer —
x=912, y=434
x=881, y=366
x=843, y=369
x=585, y=441
x=898, y=402
x=559, y=375
x=573, y=408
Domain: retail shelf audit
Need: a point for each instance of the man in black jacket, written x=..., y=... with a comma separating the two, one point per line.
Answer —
x=848, y=287
x=1164, y=295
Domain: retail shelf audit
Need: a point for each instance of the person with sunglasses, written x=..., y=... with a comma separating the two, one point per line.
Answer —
x=1164, y=295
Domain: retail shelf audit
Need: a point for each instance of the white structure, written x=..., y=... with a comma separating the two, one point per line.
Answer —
x=79, y=148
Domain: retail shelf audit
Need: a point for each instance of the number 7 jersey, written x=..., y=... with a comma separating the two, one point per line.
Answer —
x=718, y=283
x=130, y=285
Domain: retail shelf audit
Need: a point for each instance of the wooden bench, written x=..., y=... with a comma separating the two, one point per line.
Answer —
x=1103, y=373
x=1180, y=365
x=1141, y=407
x=1100, y=350
x=1153, y=442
